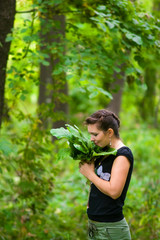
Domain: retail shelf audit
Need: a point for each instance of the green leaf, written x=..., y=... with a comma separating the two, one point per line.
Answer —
x=129, y=35
x=73, y=130
x=133, y=37
x=60, y=133
x=103, y=27
x=101, y=7
x=96, y=90
x=93, y=94
x=58, y=71
x=11, y=85
x=129, y=70
x=80, y=148
x=137, y=39
x=9, y=38
x=157, y=43
x=45, y=63
x=23, y=97
x=110, y=24
x=23, y=30
x=111, y=151
x=117, y=69
x=5, y=147
x=63, y=153
x=106, y=93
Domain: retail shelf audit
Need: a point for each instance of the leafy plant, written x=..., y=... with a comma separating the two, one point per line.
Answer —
x=81, y=148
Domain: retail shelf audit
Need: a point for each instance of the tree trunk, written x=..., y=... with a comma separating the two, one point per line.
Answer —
x=53, y=86
x=156, y=7
x=115, y=103
x=148, y=106
x=7, y=13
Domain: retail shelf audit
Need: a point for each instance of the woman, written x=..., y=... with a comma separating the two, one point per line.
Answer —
x=110, y=177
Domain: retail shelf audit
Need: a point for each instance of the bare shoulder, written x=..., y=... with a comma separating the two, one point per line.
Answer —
x=121, y=163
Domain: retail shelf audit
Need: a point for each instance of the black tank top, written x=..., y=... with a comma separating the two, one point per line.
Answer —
x=102, y=208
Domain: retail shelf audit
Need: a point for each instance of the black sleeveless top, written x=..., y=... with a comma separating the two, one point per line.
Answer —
x=101, y=207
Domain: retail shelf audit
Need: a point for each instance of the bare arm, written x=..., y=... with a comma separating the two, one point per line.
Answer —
x=114, y=187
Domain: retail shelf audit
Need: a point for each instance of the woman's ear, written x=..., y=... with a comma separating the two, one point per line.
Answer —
x=110, y=132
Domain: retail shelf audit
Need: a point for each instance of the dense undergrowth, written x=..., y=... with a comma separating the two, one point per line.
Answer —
x=46, y=198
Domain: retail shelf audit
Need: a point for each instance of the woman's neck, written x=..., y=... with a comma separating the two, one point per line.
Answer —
x=116, y=143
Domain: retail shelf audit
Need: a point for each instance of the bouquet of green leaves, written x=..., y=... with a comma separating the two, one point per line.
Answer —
x=81, y=147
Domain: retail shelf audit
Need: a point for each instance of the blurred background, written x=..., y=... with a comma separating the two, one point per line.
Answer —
x=60, y=61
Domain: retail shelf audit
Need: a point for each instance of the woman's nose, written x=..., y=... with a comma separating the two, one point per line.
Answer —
x=92, y=138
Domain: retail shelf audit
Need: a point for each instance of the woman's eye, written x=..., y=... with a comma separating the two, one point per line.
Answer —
x=95, y=134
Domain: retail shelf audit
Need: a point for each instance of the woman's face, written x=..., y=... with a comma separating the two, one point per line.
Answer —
x=98, y=136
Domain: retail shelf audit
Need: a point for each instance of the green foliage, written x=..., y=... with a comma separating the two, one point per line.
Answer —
x=141, y=207
x=41, y=197
x=63, y=216
x=100, y=38
x=81, y=148
x=26, y=182
x=117, y=36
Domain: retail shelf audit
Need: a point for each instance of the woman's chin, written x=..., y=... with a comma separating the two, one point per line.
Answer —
x=97, y=145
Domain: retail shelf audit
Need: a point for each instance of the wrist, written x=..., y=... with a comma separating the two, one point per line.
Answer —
x=91, y=176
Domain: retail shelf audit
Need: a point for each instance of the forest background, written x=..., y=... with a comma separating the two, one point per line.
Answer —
x=59, y=62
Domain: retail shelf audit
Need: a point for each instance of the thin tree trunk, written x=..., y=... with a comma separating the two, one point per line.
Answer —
x=115, y=103
x=59, y=81
x=147, y=105
x=7, y=13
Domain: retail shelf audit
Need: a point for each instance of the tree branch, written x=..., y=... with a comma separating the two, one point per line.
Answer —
x=34, y=10
x=27, y=11
x=28, y=46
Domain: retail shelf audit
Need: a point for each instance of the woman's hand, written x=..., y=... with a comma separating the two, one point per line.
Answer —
x=87, y=170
